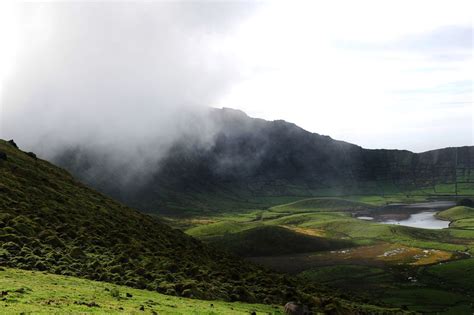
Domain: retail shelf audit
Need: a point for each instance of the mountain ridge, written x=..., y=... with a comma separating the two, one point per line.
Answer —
x=251, y=158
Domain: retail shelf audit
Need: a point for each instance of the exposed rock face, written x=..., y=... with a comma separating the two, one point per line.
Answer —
x=12, y=143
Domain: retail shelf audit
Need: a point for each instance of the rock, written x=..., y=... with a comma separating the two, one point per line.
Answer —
x=32, y=155
x=12, y=143
x=293, y=308
x=92, y=304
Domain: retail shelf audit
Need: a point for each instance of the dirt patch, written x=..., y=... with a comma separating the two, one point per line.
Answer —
x=378, y=255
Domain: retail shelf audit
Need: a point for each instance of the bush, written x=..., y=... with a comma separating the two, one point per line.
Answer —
x=76, y=253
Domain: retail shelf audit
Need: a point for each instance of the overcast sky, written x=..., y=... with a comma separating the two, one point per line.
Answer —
x=381, y=74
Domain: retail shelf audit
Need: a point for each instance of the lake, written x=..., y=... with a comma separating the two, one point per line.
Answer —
x=425, y=220
x=420, y=215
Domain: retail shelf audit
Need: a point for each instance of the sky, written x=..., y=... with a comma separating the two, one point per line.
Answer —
x=380, y=74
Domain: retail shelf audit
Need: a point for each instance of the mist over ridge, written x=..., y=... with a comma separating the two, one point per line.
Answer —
x=125, y=80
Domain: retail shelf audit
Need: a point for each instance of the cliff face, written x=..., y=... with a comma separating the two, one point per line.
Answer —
x=251, y=158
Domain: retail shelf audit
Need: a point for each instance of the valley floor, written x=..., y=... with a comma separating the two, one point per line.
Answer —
x=41, y=293
x=421, y=270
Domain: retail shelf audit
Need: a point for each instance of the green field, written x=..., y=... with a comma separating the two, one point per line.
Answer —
x=422, y=270
x=42, y=293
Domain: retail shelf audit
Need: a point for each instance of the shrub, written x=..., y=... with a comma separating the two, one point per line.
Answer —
x=76, y=253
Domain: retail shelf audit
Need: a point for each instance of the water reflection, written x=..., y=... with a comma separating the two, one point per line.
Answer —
x=420, y=215
x=425, y=220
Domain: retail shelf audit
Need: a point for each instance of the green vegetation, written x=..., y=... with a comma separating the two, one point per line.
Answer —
x=429, y=300
x=341, y=273
x=457, y=213
x=416, y=266
x=50, y=222
x=274, y=241
x=41, y=293
x=321, y=204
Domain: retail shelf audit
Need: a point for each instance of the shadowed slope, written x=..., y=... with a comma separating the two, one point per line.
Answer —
x=274, y=241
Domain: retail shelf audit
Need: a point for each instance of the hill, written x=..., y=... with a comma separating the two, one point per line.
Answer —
x=274, y=241
x=50, y=222
x=251, y=163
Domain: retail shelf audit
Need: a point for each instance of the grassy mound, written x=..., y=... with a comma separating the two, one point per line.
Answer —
x=274, y=241
x=461, y=217
x=50, y=222
x=457, y=213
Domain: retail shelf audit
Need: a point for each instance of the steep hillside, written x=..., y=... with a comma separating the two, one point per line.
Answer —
x=50, y=222
x=250, y=161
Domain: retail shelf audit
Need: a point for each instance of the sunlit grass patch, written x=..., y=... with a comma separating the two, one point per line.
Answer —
x=41, y=293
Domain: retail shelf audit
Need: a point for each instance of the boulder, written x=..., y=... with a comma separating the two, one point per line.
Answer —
x=292, y=308
x=12, y=143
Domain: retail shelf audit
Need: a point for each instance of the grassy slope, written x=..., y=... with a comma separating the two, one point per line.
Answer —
x=49, y=221
x=41, y=293
x=460, y=217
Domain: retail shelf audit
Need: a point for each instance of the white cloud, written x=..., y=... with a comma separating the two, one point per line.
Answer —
x=375, y=73
x=345, y=68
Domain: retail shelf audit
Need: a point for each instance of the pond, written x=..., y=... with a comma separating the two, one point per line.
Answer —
x=420, y=215
x=425, y=220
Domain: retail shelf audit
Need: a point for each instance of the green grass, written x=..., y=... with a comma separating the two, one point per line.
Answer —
x=51, y=222
x=332, y=274
x=42, y=293
x=368, y=276
x=457, y=213
x=428, y=300
x=321, y=204
x=458, y=274
x=269, y=240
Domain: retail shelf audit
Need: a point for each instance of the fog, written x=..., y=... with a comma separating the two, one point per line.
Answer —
x=124, y=79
